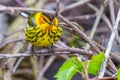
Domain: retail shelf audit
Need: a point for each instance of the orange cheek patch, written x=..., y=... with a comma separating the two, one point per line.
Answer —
x=41, y=21
x=55, y=21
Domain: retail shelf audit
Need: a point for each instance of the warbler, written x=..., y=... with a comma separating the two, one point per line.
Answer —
x=42, y=29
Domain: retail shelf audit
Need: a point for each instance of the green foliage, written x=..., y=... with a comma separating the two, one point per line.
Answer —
x=73, y=65
x=68, y=69
x=77, y=41
x=118, y=74
x=73, y=44
x=95, y=63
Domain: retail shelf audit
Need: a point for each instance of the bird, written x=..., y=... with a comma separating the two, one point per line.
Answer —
x=42, y=29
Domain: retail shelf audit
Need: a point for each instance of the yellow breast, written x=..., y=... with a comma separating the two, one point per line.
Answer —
x=39, y=37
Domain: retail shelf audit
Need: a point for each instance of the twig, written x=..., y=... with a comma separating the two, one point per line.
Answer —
x=105, y=19
x=57, y=8
x=11, y=40
x=87, y=46
x=17, y=64
x=58, y=51
x=10, y=62
x=21, y=58
x=79, y=3
x=40, y=75
x=107, y=53
x=88, y=16
x=34, y=63
x=49, y=62
x=20, y=3
x=97, y=22
x=11, y=33
x=112, y=14
x=7, y=74
x=14, y=9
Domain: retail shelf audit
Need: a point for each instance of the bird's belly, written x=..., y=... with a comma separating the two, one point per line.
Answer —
x=42, y=38
x=44, y=41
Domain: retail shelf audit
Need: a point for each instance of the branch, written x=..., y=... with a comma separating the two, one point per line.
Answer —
x=58, y=51
x=76, y=4
x=19, y=9
x=97, y=20
x=10, y=40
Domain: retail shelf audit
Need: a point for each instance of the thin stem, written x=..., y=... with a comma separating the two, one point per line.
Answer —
x=107, y=53
x=95, y=26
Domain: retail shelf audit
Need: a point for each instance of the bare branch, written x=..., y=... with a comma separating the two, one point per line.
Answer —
x=74, y=5
x=11, y=40
x=58, y=51
x=19, y=9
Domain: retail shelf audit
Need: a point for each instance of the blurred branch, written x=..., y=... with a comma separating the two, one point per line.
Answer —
x=20, y=3
x=58, y=51
x=19, y=9
x=41, y=62
x=112, y=16
x=11, y=33
x=88, y=16
x=43, y=70
x=97, y=20
x=76, y=4
x=57, y=7
x=104, y=17
x=21, y=58
x=9, y=41
x=12, y=10
x=10, y=62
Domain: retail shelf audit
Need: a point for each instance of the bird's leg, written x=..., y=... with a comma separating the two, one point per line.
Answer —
x=52, y=49
x=34, y=53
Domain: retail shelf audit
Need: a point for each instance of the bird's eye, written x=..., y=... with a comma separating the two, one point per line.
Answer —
x=45, y=20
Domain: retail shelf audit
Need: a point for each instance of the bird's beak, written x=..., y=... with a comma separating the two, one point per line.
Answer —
x=51, y=23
